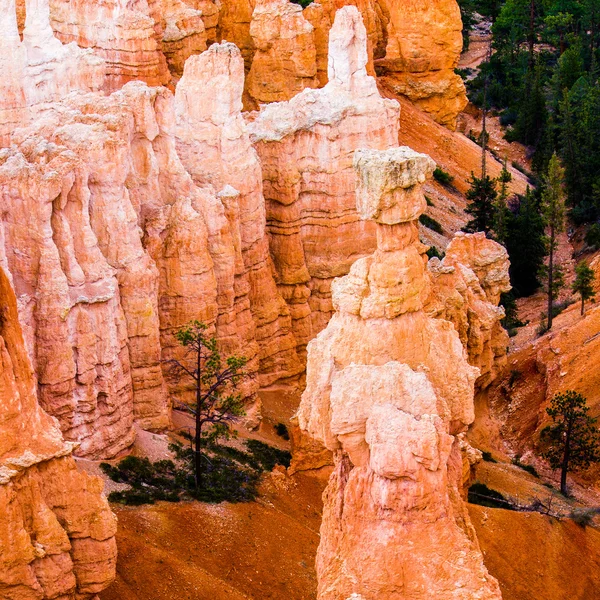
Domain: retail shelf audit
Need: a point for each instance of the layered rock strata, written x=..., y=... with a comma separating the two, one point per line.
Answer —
x=57, y=530
x=306, y=147
x=389, y=389
x=413, y=46
x=215, y=148
x=285, y=58
x=38, y=70
x=467, y=286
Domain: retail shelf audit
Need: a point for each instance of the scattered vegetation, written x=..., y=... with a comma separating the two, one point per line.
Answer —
x=282, y=431
x=573, y=440
x=429, y=201
x=584, y=517
x=481, y=494
x=529, y=468
x=584, y=284
x=487, y=457
x=433, y=252
x=303, y=3
x=442, y=176
x=228, y=474
x=431, y=223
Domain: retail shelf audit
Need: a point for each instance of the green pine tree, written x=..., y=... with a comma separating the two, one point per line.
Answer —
x=584, y=284
x=481, y=205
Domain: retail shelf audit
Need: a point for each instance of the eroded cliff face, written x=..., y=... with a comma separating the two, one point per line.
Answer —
x=413, y=47
x=305, y=147
x=57, y=531
x=389, y=389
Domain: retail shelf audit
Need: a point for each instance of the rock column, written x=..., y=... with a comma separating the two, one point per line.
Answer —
x=388, y=390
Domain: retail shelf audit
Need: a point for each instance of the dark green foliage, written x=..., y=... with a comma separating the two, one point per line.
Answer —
x=227, y=474
x=429, y=201
x=482, y=196
x=592, y=236
x=268, y=456
x=487, y=457
x=467, y=8
x=543, y=77
x=584, y=284
x=573, y=439
x=526, y=245
x=529, y=468
x=442, y=176
x=215, y=404
x=481, y=494
x=431, y=223
x=282, y=431
x=303, y=3
x=511, y=319
x=433, y=252
x=584, y=517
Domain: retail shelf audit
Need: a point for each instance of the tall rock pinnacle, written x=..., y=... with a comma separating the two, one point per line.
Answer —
x=388, y=390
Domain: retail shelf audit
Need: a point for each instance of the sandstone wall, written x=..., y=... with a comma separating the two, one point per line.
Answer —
x=388, y=390
x=57, y=531
x=306, y=147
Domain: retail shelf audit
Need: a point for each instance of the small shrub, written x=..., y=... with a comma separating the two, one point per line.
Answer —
x=228, y=474
x=529, y=468
x=282, y=431
x=508, y=117
x=268, y=456
x=515, y=375
x=431, y=223
x=584, y=517
x=433, y=252
x=542, y=328
x=303, y=3
x=429, y=201
x=442, y=176
x=487, y=457
x=481, y=494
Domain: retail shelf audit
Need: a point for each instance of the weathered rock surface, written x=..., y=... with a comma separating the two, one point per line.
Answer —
x=57, y=530
x=38, y=70
x=122, y=33
x=388, y=390
x=306, y=147
x=424, y=43
x=466, y=290
x=285, y=59
x=215, y=148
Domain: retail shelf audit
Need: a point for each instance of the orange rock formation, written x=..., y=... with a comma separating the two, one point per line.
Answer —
x=388, y=390
x=57, y=530
x=305, y=147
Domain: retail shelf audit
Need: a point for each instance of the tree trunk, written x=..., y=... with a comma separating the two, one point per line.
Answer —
x=531, y=34
x=550, y=276
x=198, y=433
x=582, y=306
x=565, y=462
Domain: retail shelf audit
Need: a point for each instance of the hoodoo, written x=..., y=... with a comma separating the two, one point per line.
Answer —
x=388, y=390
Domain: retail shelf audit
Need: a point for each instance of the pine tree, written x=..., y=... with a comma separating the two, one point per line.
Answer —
x=584, y=284
x=553, y=209
x=501, y=211
x=482, y=204
x=573, y=440
x=216, y=404
x=525, y=243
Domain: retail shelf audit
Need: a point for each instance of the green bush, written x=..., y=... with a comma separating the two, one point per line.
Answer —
x=303, y=3
x=228, y=474
x=282, y=431
x=431, y=223
x=433, y=252
x=481, y=494
x=529, y=468
x=487, y=457
x=442, y=176
x=429, y=201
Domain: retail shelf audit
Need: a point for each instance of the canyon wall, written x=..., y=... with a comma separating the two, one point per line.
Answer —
x=389, y=389
x=306, y=147
x=57, y=530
